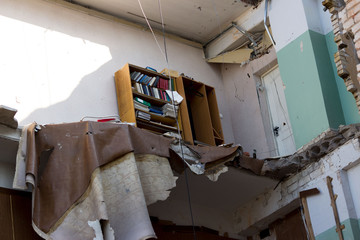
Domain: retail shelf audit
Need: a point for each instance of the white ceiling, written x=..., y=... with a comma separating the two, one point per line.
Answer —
x=197, y=20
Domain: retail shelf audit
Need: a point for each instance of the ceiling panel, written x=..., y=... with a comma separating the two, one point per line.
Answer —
x=197, y=20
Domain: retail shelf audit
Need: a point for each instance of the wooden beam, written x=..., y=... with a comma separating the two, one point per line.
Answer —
x=310, y=192
x=237, y=56
x=339, y=226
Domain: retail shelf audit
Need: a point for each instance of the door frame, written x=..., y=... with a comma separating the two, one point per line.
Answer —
x=269, y=117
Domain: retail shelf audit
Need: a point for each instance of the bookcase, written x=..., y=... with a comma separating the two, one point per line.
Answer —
x=127, y=89
x=199, y=112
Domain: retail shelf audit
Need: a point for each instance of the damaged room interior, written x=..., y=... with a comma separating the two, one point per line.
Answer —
x=180, y=120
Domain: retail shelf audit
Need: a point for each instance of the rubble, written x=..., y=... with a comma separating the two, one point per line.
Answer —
x=328, y=141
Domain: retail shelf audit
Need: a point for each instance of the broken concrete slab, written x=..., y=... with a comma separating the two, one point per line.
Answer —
x=328, y=141
x=7, y=116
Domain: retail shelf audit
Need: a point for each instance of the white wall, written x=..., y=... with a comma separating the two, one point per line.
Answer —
x=57, y=64
x=354, y=180
x=249, y=118
x=290, y=19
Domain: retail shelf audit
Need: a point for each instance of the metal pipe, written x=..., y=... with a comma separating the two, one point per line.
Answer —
x=244, y=32
x=266, y=27
x=216, y=37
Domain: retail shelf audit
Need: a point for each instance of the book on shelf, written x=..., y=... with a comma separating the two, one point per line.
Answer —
x=143, y=115
x=139, y=100
x=152, y=81
x=156, y=111
x=142, y=107
x=152, y=91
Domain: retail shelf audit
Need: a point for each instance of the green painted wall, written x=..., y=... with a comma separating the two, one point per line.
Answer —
x=311, y=92
x=350, y=232
x=351, y=114
x=327, y=80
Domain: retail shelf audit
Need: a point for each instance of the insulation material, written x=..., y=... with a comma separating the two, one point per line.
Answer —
x=206, y=156
x=61, y=161
x=119, y=193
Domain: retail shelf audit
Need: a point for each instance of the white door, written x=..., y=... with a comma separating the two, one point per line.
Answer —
x=283, y=135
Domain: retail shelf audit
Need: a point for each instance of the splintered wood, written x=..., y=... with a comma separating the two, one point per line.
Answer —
x=339, y=226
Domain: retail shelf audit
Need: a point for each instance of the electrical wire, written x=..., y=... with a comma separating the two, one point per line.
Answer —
x=147, y=21
x=178, y=126
x=173, y=104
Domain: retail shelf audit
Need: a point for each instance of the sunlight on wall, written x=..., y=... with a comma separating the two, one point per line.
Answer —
x=40, y=67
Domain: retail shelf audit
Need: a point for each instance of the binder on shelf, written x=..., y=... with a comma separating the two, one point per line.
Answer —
x=142, y=101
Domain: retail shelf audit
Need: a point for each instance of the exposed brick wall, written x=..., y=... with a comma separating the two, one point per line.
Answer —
x=346, y=24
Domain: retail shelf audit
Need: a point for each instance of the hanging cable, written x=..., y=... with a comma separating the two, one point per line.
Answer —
x=147, y=21
x=178, y=126
x=173, y=104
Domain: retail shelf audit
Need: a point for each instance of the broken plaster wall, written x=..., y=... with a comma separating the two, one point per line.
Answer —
x=58, y=63
x=345, y=21
x=343, y=166
x=249, y=115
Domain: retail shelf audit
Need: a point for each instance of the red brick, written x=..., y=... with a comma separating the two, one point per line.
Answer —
x=348, y=24
x=357, y=17
x=357, y=45
x=353, y=10
x=355, y=28
x=357, y=37
x=350, y=4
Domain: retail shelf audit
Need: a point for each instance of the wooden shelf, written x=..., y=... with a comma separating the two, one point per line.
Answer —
x=198, y=116
x=157, y=118
x=150, y=99
x=199, y=112
x=154, y=126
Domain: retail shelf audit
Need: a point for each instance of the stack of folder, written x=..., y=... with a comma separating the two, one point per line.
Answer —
x=168, y=110
x=143, y=105
x=143, y=115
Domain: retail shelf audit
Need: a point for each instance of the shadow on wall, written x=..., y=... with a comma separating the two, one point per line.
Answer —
x=93, y=96
x=49, y=40
x=59, y=31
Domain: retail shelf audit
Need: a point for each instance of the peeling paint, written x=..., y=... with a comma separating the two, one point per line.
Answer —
x=97, y=229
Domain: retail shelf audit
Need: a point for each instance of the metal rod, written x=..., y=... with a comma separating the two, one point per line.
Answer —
x=243, y=31
x=266, y=27
x=216, y=37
